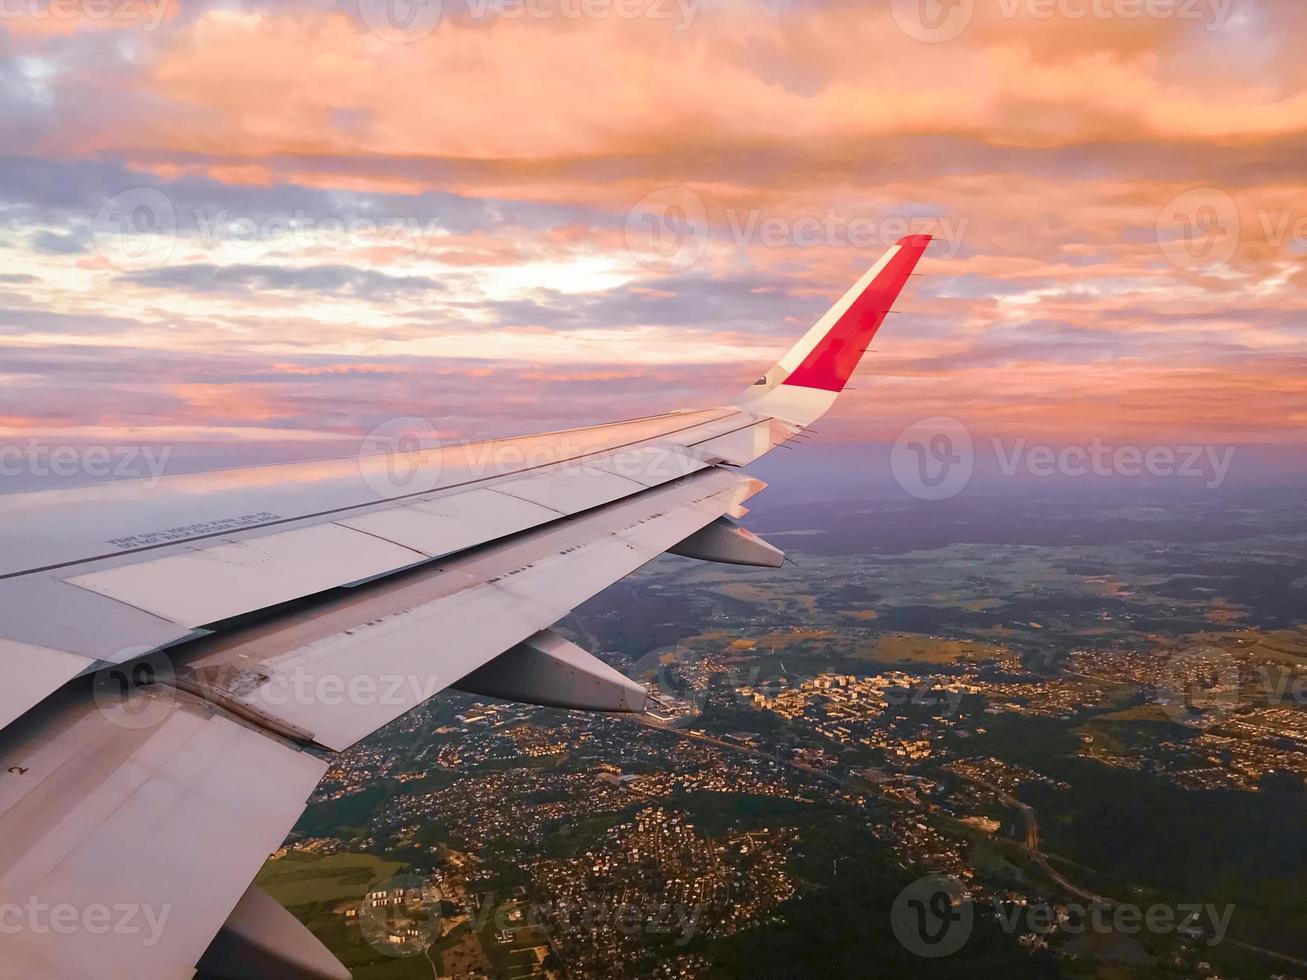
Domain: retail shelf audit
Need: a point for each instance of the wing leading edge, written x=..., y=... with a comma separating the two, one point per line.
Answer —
x=279, y=627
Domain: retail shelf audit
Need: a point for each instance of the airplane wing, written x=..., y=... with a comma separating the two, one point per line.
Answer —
x=183, y=658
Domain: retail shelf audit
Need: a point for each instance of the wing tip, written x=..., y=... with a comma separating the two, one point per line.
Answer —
x=915, y=241
x=831, y=359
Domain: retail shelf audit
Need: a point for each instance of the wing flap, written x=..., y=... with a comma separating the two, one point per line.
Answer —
x=449, y=524
x=344, y=669
x=749, y=442
x=572, y=489
x=124, y=848
x=349, y=685
x=206, y=585
x=41, y=671
x=652, y=466
x=113, y=608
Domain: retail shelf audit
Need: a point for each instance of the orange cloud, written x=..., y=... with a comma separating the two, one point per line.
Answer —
x=1046, y=151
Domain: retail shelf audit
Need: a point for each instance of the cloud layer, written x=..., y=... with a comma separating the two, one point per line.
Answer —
x=292, y=220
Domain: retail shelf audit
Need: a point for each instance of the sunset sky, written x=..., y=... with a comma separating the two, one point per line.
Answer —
x=289, y=221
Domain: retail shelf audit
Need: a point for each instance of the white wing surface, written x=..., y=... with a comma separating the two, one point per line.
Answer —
x=183, y=658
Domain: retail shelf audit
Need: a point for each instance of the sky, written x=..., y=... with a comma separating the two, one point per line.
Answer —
x=281, y=224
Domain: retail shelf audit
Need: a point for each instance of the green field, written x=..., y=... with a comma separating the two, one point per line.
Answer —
x=304, y=879
x=315, y=887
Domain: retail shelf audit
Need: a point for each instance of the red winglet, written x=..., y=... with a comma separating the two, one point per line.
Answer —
x=832, y=362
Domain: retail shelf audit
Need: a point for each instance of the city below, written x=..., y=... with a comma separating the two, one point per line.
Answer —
x=1076, y=739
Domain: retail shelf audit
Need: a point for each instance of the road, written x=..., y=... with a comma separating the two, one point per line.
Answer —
x=1031, y=846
